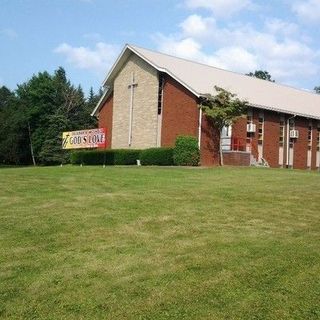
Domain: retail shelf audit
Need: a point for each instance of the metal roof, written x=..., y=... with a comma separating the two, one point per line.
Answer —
x=200, y=79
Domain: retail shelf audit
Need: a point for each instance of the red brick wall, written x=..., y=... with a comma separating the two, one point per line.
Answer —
x=270, y=143
x=180, y=114
x=181, y=117
x=239, y=129
x=271, y=138
x=301, y=144
x=209, y=147
x=105, y=119
x=234, y=158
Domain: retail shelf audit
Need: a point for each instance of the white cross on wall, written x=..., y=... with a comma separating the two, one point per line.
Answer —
x=131, y=86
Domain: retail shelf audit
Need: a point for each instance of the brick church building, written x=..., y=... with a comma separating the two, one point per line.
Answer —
x=150, y=98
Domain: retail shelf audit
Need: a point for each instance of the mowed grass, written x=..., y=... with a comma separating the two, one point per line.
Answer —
x=159, y=243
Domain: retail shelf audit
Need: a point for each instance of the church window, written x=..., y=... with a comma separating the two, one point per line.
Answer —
x=249, y=121
x=281, y=132
x=260, y=128
x=310, y=135
x=160, y=93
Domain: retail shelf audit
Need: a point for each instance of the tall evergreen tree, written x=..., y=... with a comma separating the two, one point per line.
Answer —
x=13, y=137
x=5, y=96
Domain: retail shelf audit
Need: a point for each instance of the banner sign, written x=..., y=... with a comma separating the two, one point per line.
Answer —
x=91, y=138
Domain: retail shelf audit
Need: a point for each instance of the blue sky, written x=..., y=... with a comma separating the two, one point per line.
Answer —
x=85, y=36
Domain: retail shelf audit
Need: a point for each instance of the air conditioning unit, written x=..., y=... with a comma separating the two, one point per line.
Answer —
x=251, y=127
x=294, y=134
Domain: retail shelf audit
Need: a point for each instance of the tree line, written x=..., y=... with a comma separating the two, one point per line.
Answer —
x=33, y=117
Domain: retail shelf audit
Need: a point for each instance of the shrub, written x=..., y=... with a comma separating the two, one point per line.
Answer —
x=76, y=157
x=157, y=157
x=186, y=151
x=126, y=156
x=107, y=157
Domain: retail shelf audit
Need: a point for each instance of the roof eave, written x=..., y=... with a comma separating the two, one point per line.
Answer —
x=275, y=109
x=115, y=64
x=304, y=115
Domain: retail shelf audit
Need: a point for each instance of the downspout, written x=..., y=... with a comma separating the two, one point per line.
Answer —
x=288, y=139
x=199, y=129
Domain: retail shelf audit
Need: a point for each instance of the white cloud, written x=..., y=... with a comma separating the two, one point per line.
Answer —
x=186, y=48
x=197, y=26
x=98, y=59
x=234, y=58
x=221, y=8
x=231, y=58
x=278, y=26
x=277, y=47
x=307, y=10
x=9, y=33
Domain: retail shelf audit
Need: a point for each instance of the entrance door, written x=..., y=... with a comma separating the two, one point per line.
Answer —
x=226, y=138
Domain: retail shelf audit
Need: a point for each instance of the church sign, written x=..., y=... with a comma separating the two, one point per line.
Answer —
x=91, y=138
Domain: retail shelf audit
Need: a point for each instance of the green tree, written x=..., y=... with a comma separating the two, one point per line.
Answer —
x=317, y=89
x=223, y=109
x=51, y=152
x=260, y=74
x=36, y=97
x=13, y=133
x=52, y=105
x=5, y=97
x=33, y=118
x=92, y=101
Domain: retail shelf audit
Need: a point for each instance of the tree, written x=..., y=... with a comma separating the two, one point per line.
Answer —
x=52, y=105
x=223, y=109
x=33, y=118
x=13, y=134
x=317, y=90
x=260, y=74
x=92, y=101
x=5, y=96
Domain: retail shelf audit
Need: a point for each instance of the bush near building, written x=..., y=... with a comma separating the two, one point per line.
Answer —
x=157, y=157
x=186, y=151
x=107, y=157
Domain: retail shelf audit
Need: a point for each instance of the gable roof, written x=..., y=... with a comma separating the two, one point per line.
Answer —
x=200, y=79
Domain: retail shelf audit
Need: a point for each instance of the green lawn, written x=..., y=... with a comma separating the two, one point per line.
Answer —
x=159, y=243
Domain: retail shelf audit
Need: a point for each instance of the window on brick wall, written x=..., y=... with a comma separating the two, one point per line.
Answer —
x=249, y=121
x=281, y=131
x=310, y=135
x=260, y=128
x=160, y=93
